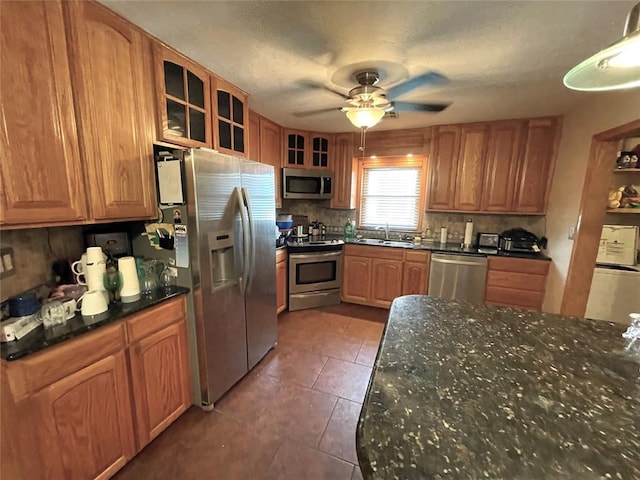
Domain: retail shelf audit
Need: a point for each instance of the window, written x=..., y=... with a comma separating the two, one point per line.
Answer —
x=391, y=190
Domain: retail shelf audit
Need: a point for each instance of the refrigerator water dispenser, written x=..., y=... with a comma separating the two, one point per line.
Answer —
x=223, y=270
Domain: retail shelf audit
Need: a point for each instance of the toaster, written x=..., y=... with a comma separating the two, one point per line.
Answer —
x=488, y=242
x=520, y=240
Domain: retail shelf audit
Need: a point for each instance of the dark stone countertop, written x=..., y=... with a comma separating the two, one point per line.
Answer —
x=456, y=248
x=473, y=391
x=42, y=338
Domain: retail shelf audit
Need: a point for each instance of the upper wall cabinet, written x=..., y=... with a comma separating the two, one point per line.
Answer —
x=501, y=167
x=253, y=150
x=295, y=148
x=41, y=171
x=271, y=152
x=183, y=100
x=111, y=69
x=319, y=150
x=231, y=117
x=342, y=160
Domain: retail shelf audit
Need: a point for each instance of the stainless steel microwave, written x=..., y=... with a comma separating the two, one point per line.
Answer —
x=307, y=183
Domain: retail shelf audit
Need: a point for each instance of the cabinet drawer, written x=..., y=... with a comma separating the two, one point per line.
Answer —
x=281, y=255
x=521, y=281
x=388, y=253
x=522, y=265
x=413, y=256
x=42, y=369
x=156, y=318
x=513, y=297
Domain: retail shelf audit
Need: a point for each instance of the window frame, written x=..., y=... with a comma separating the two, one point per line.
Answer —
x=398, y=161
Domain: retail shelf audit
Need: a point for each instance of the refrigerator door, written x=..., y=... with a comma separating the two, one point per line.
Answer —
x=613, y=295
x=259, y=197
x=218, y=214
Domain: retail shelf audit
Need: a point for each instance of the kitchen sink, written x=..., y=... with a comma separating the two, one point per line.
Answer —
x=386, y=243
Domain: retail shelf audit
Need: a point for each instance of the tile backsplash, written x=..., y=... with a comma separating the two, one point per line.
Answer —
x=34, y=252
x=455, y=222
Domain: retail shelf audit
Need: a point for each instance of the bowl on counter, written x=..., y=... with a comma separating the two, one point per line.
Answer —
x=284, y=224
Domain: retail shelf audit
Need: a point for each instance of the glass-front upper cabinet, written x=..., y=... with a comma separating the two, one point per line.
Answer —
x=295, y=148
x=319, y=144
x=183, y=103
x=231, y=117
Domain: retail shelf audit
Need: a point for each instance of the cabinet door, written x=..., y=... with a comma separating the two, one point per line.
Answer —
x=356, y=279
x=41, y=171
x=295, y=148
x=414, y=278
x=182, y=99
x=536, y=166
x=281, y=286
x=386, y=281
x=86, y=429
x=271, y=152
x=342, y=164
x=470, y=168
x=116, y=111
x=501, y=166
x=231, y=117
x=161, y=380
x=319, y=150
x=253, y=152
x=442, y=168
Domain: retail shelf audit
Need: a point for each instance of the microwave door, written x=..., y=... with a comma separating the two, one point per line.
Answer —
x=302, y=187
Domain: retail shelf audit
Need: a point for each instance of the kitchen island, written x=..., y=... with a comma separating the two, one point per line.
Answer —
x=471, y=391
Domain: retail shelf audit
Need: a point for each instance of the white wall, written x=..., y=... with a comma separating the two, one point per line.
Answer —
x=599, y=112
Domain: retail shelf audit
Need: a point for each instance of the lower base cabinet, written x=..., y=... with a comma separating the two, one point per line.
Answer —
x=516, y=282
x=376, y=275
x=94, y=401
x=281, y=280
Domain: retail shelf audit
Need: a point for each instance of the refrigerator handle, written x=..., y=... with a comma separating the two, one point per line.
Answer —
x=245, y=244
x=252, y=239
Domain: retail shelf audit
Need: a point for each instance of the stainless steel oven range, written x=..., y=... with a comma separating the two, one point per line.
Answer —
x=315, y=273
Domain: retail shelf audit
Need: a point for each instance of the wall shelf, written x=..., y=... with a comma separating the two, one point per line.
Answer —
x=624, y=210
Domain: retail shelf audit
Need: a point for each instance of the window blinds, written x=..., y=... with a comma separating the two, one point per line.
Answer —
x=391, y=195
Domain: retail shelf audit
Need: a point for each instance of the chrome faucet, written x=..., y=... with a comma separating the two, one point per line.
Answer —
x=386, y=230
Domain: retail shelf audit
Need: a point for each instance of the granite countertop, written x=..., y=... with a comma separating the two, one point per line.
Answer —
x=42, y=338
x=456, y=248
x=473, y=391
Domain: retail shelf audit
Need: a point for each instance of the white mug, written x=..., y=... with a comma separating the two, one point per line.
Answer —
x=95, y=255
x=93, y=302
x=80, y=266
x=94, y=276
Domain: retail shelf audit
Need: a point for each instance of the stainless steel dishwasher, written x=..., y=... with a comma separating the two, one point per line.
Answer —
x=459, y=277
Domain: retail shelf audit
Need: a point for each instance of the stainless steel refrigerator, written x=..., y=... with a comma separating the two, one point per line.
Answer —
x=228, y=221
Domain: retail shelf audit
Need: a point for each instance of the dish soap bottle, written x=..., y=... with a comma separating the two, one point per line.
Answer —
x=349, y=232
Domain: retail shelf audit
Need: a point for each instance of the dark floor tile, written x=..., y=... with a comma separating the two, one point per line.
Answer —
x=295, y=462
x=292, y=364
x=298, y=413
x=365, y=329
x=337, y=346
x=368, y=351
x=344, y=379
x=339, y=438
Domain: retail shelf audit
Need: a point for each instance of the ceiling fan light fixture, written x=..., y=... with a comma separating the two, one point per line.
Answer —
x=365, y=117
x=614, y=68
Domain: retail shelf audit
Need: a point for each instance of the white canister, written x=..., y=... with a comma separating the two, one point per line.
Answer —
x=130, y=291
x=443, y=235
x=468, y=233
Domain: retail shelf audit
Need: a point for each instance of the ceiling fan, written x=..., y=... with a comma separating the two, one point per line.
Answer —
x=367, y=103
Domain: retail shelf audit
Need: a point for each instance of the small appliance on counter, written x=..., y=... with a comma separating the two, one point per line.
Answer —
x=488, y=242
x=521, y=241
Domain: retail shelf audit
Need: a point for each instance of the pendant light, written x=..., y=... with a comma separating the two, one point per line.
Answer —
x=364, y=117
x=616, y=67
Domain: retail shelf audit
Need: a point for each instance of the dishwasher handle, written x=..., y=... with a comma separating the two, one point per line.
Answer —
x=480, y=263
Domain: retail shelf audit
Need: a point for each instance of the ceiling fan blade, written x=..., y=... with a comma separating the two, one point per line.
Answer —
x=320, y=86
x=429, y=78
x=418, y=107
x=309, y=113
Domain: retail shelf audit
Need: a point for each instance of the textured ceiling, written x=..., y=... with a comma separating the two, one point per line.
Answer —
x=504, y=59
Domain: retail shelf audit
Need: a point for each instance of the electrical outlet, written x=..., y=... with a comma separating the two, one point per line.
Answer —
x=7, y=264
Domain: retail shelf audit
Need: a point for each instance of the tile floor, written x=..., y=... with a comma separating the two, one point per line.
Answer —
x=293, y=417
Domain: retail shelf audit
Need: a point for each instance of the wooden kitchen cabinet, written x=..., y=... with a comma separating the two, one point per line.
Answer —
x=442, y=168
x=503, y=153
x=253, y=146
x=281, y=280
x=469, y=168
x=111, y=72
x=536, y=165
x=356, y=278
x=85, y=421
x=231, y=117
x=342, y=162
x=183, y=104
x=319, y=149
x=271, y=152
x=41, y=172
x=295, y=148
x=516, y=282
x=386, y=281
x=416, y=273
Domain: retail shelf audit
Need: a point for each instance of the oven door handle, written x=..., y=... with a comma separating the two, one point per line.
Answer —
x=306, y=256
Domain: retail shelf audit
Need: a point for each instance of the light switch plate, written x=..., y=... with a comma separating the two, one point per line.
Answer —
x=8, y=262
